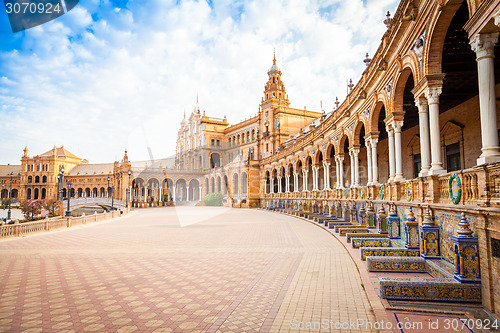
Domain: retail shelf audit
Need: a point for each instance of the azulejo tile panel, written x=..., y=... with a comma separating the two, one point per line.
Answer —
x=429, y=290
x=396, y=264
x=388, y=252
x=448, y=223
x=371, y=242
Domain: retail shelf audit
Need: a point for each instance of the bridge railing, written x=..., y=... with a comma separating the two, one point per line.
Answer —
x=21, y=229
x=85, y=201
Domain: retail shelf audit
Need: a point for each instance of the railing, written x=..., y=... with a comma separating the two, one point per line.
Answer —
x=431, y=189
x=84, y=201
x=21, y=229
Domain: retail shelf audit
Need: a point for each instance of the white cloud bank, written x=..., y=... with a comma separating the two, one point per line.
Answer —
x=102, y=79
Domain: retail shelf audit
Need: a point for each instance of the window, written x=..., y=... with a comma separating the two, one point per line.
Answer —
x=267, y=147
x=38, y=168
x=212, y=142
x=453, y=157
x=417, y=165
x=218, y=143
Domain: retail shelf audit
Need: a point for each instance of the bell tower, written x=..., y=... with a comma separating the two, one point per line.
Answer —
x=274, y=90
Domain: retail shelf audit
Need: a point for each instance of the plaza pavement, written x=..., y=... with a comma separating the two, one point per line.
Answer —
x=182, y=269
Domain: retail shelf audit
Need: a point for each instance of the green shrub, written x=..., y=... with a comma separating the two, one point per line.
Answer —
x=213, y=199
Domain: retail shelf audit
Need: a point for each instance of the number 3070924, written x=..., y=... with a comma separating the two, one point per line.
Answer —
x=32, y=8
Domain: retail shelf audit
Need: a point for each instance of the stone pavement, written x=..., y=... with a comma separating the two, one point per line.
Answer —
x=224, y=270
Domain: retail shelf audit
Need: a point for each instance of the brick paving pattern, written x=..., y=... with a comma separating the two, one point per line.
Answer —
x=235, y=271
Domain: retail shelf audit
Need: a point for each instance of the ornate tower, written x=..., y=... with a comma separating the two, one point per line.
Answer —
x=274, y=90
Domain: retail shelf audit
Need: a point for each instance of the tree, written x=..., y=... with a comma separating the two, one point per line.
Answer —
x=213, y=199
x=51, y=205
x=30, y=208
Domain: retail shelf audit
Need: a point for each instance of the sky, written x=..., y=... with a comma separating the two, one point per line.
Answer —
x=111, y=75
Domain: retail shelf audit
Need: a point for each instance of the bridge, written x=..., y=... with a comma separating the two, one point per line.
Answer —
x=106, y=203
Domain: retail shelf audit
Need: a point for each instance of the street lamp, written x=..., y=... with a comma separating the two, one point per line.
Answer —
x=9, y=214
x=60, y=183
x=112, y=197
x=128, y=188
x=107, y=191
x=68, y=184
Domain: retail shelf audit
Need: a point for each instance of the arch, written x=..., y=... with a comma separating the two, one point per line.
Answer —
x=215, y=160
x=225, y=185
x=102, y=192
x=291, y=183
x=72, y=193
x=181, y=189
x=30, y=179
x=194, y=190
x=318, y=156
x=94, y=192
x=28, y=194
x=87, y=192
x=244, y=185
x=267, y=186
x=357, y=131
x=80, y=192
x=37, y=179
x=35, y=196
x=218, y=184
x=44, y=179
x=235, y=188
x=375, y=114
x=433, y=45
x=342, y=141
x=212, y=185
x=14, y=194
x=399, y=87
x=330, y=152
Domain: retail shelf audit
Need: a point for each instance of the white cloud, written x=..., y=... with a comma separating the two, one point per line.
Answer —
x=125, y=79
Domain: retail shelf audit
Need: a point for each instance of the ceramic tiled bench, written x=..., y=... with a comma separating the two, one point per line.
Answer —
x=364, y=235
x=352, y=230
x=370, y=242
x=388, y=252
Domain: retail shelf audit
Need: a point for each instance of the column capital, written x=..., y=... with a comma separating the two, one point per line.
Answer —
x=389, y=129
x=484, y=44
x=326, y=164
x=432, y=94
x=397, y=124
x=354, y=150
x=340, y=157
x=422, y=105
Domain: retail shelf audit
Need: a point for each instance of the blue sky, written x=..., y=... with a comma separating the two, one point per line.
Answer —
x=111, y=75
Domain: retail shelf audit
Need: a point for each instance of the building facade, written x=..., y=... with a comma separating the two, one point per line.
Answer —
x=416, y=135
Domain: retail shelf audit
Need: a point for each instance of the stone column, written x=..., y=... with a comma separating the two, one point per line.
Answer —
x=337, y=172
x=374, y=142
x=279, y=184
x=398, y=153
x=432, y=95
x=484, y=46
x=271, y=185
x=425, y=149
x=326, y=173
x=287, y=183
x=341, y=171
x=174, y=194
x=351, y=155
x=295, y=181
x=304, y=179
x=392, y=164
x=355, y=166
x=315, y=170
x=369, y=161
x=200, y=198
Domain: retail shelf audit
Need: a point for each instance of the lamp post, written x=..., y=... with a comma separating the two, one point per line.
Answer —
x=9, y=214
x=112, y=197
x=60, y=180
x=68, y=184
x=128, y=188
x=107, y=192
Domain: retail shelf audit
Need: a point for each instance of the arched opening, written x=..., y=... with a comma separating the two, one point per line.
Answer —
x=309, y=173
x=181, y=190
x=215, y=160
x=30, y=179
x=212, y=185
x=300, y=185
x=72, y=193
x=28, y=194
x=218, y=184
x=194, y=190
x=330, y=155
x=87, y=193
x=225, y=185
x=268, y=183
x=244, y=185
x=347, y=163
x=44, y=179
x=291, y=178
x=37, y=179
x=14, y=194
x=153, y=189
x=275, y=181
x=36, y=196
x=283, y=179
x=80, y=193
x=321, y=172
x=236, y=192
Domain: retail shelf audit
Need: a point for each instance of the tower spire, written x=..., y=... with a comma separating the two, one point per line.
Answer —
x=274, y=57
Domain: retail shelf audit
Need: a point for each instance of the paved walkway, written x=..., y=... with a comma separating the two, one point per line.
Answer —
x=223, y=270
